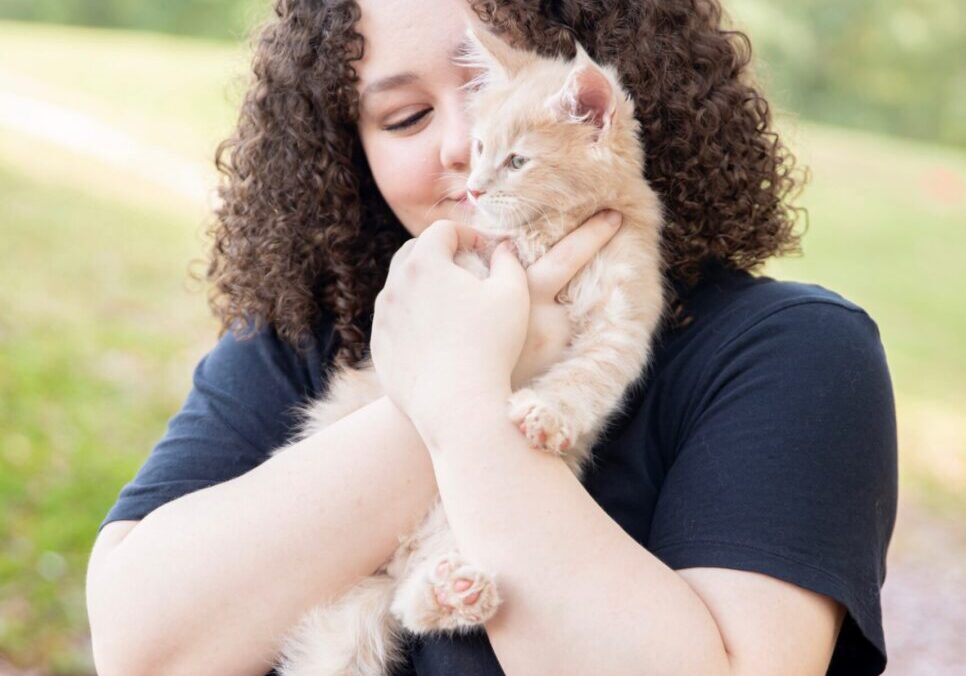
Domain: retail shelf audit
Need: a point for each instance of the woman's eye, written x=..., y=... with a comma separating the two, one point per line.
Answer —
x=409, y=121
x=516, y=161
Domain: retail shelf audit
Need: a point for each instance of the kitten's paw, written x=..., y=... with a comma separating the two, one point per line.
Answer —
x=541, y=424
x=463, y=592
x=452, y=595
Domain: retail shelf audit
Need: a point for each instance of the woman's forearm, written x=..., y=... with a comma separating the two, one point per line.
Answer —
x=209, y=583
x=580, y=595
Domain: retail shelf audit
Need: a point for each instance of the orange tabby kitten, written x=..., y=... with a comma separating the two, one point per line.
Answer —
x=553, y=143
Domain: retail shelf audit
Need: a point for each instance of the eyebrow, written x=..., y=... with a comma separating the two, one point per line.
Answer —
x=391, y=82
x=407, y=78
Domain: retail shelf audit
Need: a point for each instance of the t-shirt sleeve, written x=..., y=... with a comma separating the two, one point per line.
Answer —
x=787, y=466
x=242, y=405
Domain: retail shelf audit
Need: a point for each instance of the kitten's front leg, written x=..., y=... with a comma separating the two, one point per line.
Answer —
x=562, y=410
x=541, y=420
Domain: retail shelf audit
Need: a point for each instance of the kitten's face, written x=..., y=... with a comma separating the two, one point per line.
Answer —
x=543, y=135
x=514, y=177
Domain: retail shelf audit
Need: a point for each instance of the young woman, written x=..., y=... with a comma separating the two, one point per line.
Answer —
x=737, y=516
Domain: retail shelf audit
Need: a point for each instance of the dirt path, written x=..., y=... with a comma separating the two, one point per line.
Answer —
x=89, y=137
x=924, y=597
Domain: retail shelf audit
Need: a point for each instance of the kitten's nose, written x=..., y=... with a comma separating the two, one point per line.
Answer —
x=475, y=193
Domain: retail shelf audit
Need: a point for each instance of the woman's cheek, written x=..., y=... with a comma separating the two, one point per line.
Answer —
x=405, y=173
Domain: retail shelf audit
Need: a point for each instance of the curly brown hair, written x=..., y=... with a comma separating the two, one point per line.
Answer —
x=302, y=229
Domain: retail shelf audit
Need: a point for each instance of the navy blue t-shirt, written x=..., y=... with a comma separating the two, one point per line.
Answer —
x=763, y=439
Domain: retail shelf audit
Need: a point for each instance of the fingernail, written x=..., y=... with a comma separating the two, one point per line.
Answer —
x=613, y=218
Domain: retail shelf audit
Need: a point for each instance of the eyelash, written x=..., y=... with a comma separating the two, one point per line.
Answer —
x=409, y=121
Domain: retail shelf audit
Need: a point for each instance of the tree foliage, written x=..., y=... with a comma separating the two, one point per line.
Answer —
x=228, y=19
x=896, y=66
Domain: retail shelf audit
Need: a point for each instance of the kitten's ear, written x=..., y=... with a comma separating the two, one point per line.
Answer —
x=587, y=96
x=486, y=52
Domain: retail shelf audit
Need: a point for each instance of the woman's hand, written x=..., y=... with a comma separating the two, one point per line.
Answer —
x=549, y=329
x=440, y=334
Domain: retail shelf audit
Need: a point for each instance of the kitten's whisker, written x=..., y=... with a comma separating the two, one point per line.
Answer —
x=457, y=180
x=434, y=205
x=437, y=203
x=538, y=207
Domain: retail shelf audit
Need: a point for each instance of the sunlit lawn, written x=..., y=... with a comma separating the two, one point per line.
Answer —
x=100, y=326
x=97, y=334
x=169, y=90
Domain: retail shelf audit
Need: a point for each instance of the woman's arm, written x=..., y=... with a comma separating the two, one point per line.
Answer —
x=562, y=565
x=573, y=582
x=580, y=595
x=209, y=583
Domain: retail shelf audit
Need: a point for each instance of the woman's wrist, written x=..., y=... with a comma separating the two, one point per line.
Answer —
x=459, y=412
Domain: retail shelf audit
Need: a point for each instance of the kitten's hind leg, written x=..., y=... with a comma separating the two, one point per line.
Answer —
x=354, y=636
x=445, y=594
x=437, y=590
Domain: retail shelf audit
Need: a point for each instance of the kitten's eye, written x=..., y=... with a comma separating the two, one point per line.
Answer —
x=516, y=161
x=478, y=146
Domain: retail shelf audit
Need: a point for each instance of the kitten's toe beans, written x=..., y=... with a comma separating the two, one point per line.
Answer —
x=466, y=596
x=459, y=585
x=448, y=595
x=444, y=596
x=540, y=423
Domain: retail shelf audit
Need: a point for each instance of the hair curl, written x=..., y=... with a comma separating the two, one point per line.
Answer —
x=302, y=228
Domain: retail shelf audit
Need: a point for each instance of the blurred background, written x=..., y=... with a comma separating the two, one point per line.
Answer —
x=110, y=111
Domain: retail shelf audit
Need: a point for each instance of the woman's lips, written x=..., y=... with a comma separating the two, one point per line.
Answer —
x=462, y=200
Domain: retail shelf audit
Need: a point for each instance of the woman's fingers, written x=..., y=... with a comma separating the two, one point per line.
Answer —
x=551, y=272
x=444, y=237
x=505, y=268
x=401, y=254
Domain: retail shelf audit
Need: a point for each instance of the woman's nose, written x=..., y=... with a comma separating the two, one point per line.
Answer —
x=454, y=152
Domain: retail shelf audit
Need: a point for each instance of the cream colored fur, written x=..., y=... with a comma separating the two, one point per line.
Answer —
x=576, y=127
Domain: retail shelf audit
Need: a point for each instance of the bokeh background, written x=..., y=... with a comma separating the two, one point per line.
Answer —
x=110, y=111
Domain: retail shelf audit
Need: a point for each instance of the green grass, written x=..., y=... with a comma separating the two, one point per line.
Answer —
x=100, y=328
x=97, y=336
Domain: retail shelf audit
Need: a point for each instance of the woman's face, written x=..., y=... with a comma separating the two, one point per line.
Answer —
x=412, y=121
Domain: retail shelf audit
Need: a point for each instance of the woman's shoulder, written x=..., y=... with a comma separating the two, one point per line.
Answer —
x=733, y=309
x=772, y=422
x=254, y=356
x=756, y=338
x=742, y=300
